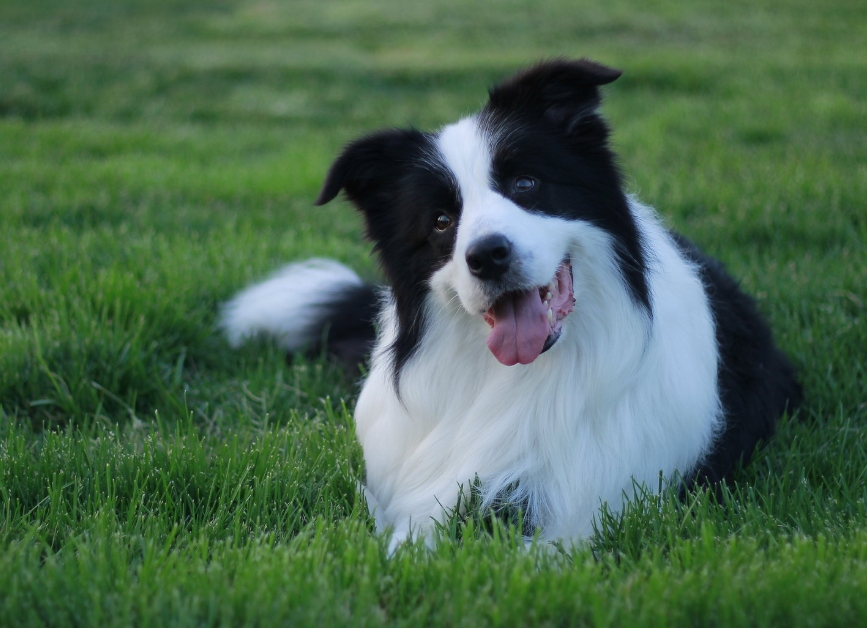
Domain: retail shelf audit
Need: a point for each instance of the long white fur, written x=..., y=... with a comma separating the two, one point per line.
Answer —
x=620, y=398
x=286, y=305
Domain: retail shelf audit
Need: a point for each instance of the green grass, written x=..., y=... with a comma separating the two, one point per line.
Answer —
x=156, y=157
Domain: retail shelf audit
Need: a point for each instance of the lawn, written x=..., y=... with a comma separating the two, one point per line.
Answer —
x=157, y=156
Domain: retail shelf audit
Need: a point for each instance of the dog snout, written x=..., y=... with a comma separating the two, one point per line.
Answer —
x=489, y=257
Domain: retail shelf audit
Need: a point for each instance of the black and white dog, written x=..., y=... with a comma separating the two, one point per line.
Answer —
x=544, y=338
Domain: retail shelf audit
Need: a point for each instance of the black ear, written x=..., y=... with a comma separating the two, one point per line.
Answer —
x=370, y=164
x=562, y=91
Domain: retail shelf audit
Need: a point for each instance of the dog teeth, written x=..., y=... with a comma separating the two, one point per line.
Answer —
x=548, y=296
x=550, y=316
x=551, y=286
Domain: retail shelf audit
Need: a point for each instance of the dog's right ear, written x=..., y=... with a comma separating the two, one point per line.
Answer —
x=369, y=165
x=561, y=91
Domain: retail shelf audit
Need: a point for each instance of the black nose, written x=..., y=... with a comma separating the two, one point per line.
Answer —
x=489, y=257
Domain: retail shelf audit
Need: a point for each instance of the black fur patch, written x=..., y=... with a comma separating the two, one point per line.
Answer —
x=348, y=329
x=757, y=383
x=396, y=180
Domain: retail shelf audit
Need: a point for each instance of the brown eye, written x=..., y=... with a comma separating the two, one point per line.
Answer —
x=443, y=222
x=524, y=184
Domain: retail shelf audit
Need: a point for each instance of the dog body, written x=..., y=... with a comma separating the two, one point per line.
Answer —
x=544, y=339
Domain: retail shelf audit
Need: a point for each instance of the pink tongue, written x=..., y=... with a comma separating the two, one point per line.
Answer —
x=520, y=327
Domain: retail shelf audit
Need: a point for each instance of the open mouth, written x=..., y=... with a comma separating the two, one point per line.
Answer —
x=526, y=323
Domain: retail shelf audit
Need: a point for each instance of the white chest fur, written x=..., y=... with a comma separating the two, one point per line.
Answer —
x=619, y=399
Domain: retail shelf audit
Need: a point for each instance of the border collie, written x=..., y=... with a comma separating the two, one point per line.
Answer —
x=544, y=340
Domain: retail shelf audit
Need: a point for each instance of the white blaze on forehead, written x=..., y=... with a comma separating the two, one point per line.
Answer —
x=465, y=152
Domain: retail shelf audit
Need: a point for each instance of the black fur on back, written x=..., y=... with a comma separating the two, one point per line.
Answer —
x=757, y=383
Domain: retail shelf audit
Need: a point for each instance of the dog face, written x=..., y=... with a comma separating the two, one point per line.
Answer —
x=492, y=208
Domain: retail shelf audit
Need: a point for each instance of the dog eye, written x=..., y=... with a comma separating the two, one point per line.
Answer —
x=443, y=222
x=524, y=184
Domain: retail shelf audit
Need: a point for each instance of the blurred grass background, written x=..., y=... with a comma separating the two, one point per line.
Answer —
x=157, y=156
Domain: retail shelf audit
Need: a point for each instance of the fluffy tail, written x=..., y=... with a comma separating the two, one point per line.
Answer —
x=312, y=305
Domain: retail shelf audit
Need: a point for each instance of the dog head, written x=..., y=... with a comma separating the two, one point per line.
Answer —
x=493, y=208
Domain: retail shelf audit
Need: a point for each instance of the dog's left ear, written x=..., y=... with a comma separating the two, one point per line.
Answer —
x=367, y=167
x=561, y=91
